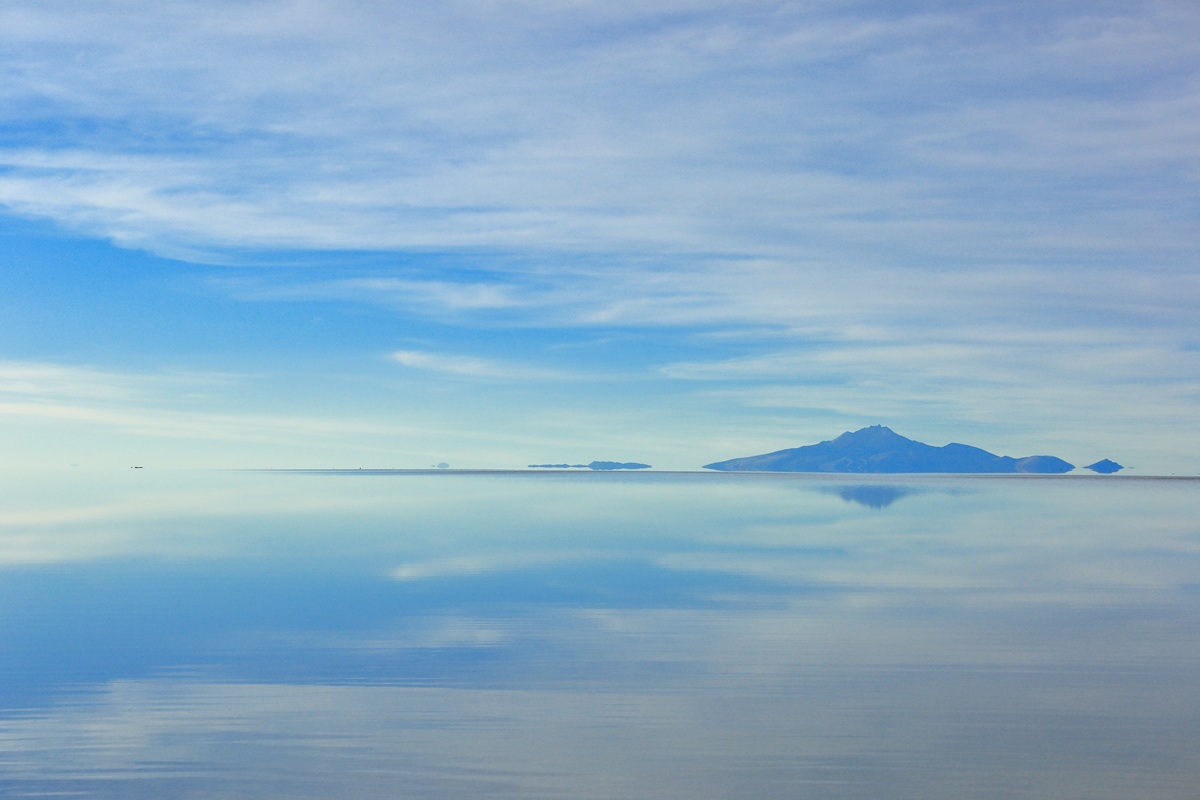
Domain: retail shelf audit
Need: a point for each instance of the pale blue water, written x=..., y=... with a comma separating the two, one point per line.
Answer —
x=293, y=635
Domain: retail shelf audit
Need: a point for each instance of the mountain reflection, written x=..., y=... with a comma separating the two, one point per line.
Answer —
x=872, y=496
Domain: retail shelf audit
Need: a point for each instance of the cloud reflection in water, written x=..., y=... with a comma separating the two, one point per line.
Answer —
x=692, y=637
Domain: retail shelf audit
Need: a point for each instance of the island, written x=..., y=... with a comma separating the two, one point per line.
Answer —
x=878, y=449
x=600, y=465
x=1105, y=467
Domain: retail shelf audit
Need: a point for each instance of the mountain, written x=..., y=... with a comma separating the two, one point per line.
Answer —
x=880, y=449
x=1105, y=467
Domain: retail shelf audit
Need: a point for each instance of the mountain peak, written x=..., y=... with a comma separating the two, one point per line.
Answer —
x=871, y=432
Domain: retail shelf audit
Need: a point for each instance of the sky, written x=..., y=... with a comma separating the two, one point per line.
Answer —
x=376, y=234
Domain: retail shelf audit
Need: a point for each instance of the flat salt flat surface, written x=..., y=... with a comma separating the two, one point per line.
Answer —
x=598, y=635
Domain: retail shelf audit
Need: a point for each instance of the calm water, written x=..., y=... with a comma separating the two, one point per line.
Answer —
x=454, y=635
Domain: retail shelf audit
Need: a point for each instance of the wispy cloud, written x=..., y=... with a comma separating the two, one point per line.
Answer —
x=163, y=405
x=481, y=564
x=695, y=127
x=179, y=423
x=47, y=381
x=472, y=367
x=428, y=296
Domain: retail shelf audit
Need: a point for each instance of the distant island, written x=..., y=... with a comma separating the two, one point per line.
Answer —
x=878, y=449
x=601, y=465
x=1105, y=467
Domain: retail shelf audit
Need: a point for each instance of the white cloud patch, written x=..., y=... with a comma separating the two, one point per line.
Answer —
x=471, y=367
x=47, y=382
x=480, y=564
x=414, y=295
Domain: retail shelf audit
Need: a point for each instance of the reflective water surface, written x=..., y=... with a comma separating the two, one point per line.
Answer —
x=591, y=635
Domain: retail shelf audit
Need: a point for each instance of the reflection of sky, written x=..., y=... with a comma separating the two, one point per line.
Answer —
x=598, y=636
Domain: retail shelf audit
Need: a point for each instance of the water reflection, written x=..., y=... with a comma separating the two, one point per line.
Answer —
x=873, y=496
x=600, y=637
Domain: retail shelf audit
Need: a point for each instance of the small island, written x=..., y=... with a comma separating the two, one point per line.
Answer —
x=597, y=465
x=1105, y=467
x=878, y=449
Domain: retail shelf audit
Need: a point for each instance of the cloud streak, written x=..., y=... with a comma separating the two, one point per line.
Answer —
x=471, y=366
x=175, y=406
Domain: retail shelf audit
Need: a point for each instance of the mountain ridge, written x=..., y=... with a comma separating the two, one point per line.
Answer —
x=879, y=449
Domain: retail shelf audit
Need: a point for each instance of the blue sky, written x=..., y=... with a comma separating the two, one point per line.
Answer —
x=317, y=234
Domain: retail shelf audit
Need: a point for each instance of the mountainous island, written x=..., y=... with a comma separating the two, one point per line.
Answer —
x=599, y=465
x=878, y=449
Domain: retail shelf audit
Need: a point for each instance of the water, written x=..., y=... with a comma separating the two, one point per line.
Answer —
x=309, y=635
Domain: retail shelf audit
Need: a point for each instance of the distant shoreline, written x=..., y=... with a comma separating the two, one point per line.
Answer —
x=840, y=477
